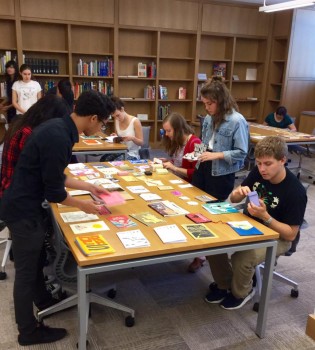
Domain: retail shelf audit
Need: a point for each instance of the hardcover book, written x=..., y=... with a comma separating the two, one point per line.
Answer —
x=93, y=245
x=219, y=208
x=167, y=208
x=199, y=231
x=133, y=239
x=244, y=228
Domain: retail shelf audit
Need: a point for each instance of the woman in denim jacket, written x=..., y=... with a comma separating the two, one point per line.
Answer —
x=225, y=132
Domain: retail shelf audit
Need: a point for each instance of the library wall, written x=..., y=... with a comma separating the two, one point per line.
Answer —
x=7, y=8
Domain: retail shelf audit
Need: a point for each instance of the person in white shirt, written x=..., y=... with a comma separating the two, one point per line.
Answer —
x=25, y=91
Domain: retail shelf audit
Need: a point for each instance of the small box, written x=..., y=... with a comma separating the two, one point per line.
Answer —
x=310, y=326
x=142, y=116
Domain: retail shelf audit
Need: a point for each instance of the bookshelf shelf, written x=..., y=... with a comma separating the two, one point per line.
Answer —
x=46, y=52
x=91, y=77
x=137, y=56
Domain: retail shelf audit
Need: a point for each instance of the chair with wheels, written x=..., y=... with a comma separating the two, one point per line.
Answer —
x=8, y=245
x=144, y=151
x=65, y=270
x=277, y=276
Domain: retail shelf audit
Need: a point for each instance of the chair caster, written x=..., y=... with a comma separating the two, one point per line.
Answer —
x=256, y=307
x=294, y=293
x=129, y=321
x=112, y=293
x=87, y=343
x=3, y=275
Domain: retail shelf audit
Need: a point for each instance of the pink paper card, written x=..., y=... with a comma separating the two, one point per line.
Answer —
x=112, y=198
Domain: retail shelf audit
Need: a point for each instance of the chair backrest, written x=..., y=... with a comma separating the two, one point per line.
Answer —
x=144, y=151
x=201, y=120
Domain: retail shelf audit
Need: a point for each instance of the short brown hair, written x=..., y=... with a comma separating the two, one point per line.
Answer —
x=271, y=146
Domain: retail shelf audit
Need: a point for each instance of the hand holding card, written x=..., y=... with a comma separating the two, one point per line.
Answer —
x=253, y=198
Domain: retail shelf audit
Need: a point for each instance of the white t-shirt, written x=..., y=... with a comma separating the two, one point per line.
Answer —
x=133, y=149
x=26, y=93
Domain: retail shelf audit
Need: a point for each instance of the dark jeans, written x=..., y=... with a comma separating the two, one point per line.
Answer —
x=219, y=187
x=29, y=257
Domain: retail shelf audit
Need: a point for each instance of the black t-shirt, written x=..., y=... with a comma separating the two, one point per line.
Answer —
x=285, y=201
x=39, y=173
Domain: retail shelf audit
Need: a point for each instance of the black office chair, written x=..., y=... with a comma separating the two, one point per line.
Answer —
x=144, y=151
x=277, y=276
x=65, y=270
x=8, y=244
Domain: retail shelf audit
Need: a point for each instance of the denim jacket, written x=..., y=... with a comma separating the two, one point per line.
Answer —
x=231, y=138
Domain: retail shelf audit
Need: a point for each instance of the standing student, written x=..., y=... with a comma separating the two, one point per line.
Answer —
x=25, y=91
x=39, y=176
x=11, y=76
x=282, y=207
x=129, y=128
x=225, y=132
x=280, y=119
x=179, y=140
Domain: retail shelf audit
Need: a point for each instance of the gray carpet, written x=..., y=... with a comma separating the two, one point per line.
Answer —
x=171, y=313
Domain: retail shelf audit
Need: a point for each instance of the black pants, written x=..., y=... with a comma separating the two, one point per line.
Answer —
x=29, y=256
x=219, y=187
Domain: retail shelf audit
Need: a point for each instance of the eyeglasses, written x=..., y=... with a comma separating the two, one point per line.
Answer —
x=104, y=126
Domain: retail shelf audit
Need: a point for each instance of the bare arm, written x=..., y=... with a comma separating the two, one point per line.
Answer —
x=138, y=138
x=292, y=127
x=15, y=102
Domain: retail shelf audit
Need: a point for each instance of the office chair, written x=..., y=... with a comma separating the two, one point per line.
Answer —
x=277, y=276
x=144, y=151
x=8, y=244
x=65, y=269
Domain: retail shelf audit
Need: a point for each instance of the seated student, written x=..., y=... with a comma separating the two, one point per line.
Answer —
x=129, y=128
x=64, y=90
x=280, y=119
x=178, y=141
x=282, y=205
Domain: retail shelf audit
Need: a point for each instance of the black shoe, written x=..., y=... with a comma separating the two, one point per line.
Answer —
x=215, y=295
x=232, y=303
x=42, y=334
x=2, y=225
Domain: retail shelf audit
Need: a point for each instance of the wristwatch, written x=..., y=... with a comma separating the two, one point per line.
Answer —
x=268, y=222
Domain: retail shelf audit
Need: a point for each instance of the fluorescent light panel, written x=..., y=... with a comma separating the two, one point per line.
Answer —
x=285, y=5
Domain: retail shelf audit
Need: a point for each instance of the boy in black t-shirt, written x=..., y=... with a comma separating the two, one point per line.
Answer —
x=282, y=207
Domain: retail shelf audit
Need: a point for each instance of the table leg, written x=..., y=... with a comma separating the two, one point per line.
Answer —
x=82, y=309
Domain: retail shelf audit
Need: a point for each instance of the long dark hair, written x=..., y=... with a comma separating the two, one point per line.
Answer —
x=181, y=129
x=217, y=91
x=14, y=65
x=48, y=107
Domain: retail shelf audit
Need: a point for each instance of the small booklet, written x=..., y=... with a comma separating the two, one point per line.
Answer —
x=86, y=227
x=93, y=245
x=205, y=198
x=92, y=137
x=139, y=161
x=150, y=196
x=170, y=234
x=133, y=239
x=121, y=221
x=147, y=218
x=167, y=208
x=199, y=231
x=75, y=216
x=92, y=142
x=112, y=199
x=197, y=218
x=137, y=189
x=220, y=208
x=244, y=228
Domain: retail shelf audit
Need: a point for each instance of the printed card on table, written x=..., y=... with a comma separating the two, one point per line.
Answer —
x=86, y=227
x=121, y=221
x=75, y=216
x=92, y=142
x=199, y=231
x=133, y=239
x=170, y=234
x=244, y=228
x=137, y=189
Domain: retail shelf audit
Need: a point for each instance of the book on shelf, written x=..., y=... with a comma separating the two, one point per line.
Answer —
x=219, y=69
x=151, y=70
x=163, y=111
x=86, y=227
x=199, y=231
x=121, y=221
x=147, y=218
x=251, y=74
x=167, y=208
x=235, y=77
x=163, y=92
x=198, y=218
x=219, y=208
x=170, y=234
x=202, y=76
x=133, y=239
x=244, y=228
x=149, y=92
x=142, y=70
x=182, y=93
x=93, y=245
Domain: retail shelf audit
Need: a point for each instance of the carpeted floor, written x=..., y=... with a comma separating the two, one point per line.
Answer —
x=171, y=313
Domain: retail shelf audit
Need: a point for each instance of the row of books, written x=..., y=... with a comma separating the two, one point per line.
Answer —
x=147, y=71
x=101, y=86
x=6, y=57
x=103, y=68
x=43, y=65
x=149, y=92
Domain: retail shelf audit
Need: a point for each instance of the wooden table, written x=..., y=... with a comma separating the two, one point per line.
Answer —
x=81, y=148
x=227, y=241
